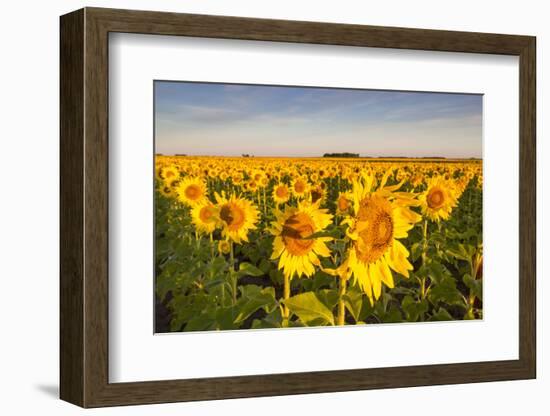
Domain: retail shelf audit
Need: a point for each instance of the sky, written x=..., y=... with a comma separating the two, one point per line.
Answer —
x=233, y=119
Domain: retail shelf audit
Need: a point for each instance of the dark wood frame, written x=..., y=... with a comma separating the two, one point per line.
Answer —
x=84, y=207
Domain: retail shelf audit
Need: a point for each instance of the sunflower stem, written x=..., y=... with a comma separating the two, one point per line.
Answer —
x=474, y=265
x=212, y=246
x=265, y=207
x=233, y=276
x=424, y=252
x=341, y=304
x=286, y=295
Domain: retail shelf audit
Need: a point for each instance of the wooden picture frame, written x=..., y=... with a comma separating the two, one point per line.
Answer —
x=84, y=207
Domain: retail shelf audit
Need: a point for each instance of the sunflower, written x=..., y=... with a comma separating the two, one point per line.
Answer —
x=191, y=191
x=166, y=191
x=299, y=187
x=381, y=216
x=224, y=247
x=237, y=217
x=297, y=253
x=252, y=185
x=237, y=178
x=439, y=199
x=264, y=181
x=317, y=194
x=461, y=185
x=344, y=203
x=416, y=180
x=169, y=174
x=204, y=217
x=479, y=182
x=158, y=170
x=281, y=193
x=257, y=176
x=223, y=176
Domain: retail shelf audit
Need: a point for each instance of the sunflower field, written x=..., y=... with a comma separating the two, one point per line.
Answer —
x=249, y=243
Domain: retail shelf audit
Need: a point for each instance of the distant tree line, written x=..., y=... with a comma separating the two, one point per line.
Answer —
x=345, y=154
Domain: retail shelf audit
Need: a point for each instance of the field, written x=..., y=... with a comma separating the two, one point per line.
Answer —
x=248, y=243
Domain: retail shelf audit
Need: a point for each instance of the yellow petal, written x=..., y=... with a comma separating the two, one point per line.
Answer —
x=360, y=271
x=310, y=270
x=385, y=178
x=385, y=273
x=321, y=249
x=375, y=280
x=278, y=248
x=398, y=258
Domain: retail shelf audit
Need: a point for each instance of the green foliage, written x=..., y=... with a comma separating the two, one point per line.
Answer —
x=474, y=285
x=354, y=303
x=309, y=308
x=441, y=315
x=204, y=289
x=446, y=292
x=246, y=269
x=414, y=309
x=252, y=299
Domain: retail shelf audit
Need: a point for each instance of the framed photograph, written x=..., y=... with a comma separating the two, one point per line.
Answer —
x=254, y=207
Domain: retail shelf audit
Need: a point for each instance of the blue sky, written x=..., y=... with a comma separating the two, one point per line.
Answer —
x=231, y=119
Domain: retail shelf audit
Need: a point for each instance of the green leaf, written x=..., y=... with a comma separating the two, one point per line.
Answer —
x=186, y=307
x=381, y=305
x=437, y=272
x=334, y=233
x=200, y=323
x=437, y=238
x=469, y=315
x=265, y=265
x=329, y=297
x=321, y=279
x=462, y=252
x=397, y=290
x=456, y=235
x=473, y=284
x=276, y=276
x=446, y=291
x=413, y=309
x=339, y=247
x=165, y=282
x=366, y=310
x=354, y=303
x=213, y=283
x=416, y=251
x=253, y=299
x=247, y=269
x=273, y=319
x=224, y=318
x=309, y=308
x=441, y=315
x=257, y=324
x=217, y=266
x=393, y=315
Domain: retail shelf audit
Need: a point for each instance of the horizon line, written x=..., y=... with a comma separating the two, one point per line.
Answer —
x=324, y=157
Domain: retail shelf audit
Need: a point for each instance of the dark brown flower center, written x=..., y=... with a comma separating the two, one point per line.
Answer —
x=232, y=215
x=193, y=192
x=435, y=198
x=296, y=229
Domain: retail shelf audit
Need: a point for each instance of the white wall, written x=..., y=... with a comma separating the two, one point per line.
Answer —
x=29, y=205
